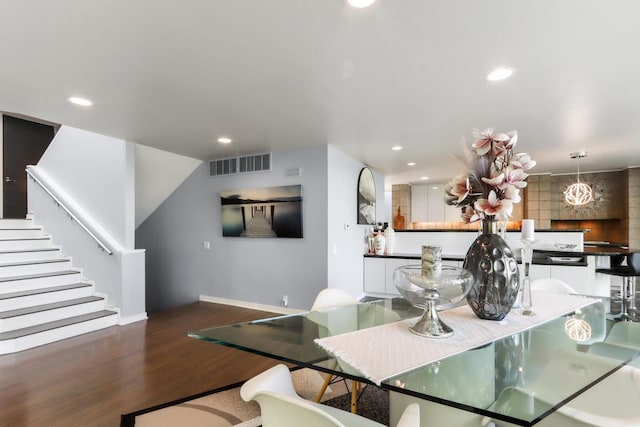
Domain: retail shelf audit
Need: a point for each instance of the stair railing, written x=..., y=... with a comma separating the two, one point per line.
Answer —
x=101, y=244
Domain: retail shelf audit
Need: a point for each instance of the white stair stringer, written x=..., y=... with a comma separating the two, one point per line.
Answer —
x=43, y=299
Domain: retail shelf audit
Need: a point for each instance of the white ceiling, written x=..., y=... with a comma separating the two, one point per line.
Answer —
x=275, y=74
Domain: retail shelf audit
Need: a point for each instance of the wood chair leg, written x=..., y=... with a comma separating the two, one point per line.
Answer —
x=355, y=387
x=327, y=380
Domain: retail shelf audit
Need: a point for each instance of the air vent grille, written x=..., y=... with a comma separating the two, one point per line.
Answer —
x=223, y=167
x=244, y=164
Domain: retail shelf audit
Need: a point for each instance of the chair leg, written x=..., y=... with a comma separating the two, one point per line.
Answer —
x=327, y=380
x=355, y=389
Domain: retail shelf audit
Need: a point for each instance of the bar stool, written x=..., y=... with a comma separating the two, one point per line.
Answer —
x=628, y=273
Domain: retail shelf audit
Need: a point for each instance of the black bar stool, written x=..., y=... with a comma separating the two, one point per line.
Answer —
x=628, y=273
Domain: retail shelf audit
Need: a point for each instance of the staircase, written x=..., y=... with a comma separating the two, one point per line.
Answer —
x=42, y=298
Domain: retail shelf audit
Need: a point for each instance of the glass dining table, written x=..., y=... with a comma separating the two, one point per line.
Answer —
x=534, y=377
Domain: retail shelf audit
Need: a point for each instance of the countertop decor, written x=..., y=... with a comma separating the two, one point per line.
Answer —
x=487, y=192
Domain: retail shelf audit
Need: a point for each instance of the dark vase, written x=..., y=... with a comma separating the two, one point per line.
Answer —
x=496, y=278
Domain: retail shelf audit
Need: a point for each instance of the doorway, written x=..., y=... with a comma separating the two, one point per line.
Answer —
x=24, y=143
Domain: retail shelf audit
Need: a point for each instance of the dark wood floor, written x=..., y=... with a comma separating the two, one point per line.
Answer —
x=93, y=379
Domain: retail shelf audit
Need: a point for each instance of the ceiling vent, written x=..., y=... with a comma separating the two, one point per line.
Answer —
x=243, y=164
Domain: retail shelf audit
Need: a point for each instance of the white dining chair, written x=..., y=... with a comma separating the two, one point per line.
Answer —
x=595, y=318
x=610, y=402
x=326, y=299
x=281, y=406
x=552, y=285
x=334, y=323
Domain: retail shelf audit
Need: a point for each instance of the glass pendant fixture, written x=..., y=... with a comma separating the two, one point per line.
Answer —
x=578, y=193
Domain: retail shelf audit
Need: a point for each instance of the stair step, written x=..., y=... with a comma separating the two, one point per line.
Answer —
x=28, y=243
x=33, y=262
x=45, y=307
x=15, y=222
x=17, y=268
x=31, y=316
x=37, y=276
x=22, y=339
x=31, y=297
x=38, y=281
x=20, y=233
x=55, y=324
x=10, y=255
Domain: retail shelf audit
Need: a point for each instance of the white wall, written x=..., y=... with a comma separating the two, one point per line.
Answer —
x=1, y=166
x=92, y=171
x=254, y=270
x=93, y=176
x=345, y=238
x=158, y=174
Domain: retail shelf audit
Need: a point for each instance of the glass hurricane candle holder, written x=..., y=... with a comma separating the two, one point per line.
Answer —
x=432, y=293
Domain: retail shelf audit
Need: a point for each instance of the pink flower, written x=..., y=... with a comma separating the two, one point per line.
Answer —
x=470, y=215
x=458, y=189
x=493, y=184
x=483, y=142
x=495, y=181
x=523, y=161
x=493, y=205
x=513, y=139
x=514, y=177
x=512, y=193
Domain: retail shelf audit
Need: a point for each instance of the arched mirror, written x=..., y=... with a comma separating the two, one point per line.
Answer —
x=366, y=197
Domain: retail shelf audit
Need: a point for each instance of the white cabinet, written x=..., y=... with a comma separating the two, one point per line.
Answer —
x=427, y=204
x=378, y=274
x=435, y=203
x=390, y=265
x=374, y=275
x=536, y=271
x=419, y=203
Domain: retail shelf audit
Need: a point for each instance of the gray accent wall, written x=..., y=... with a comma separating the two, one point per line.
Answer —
x=258, y=270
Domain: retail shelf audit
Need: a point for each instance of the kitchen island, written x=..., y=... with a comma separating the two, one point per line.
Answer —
x=576, y=266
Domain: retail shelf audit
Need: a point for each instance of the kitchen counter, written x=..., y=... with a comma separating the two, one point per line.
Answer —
x=587, y=250
x=576, y=259
x=445, y=230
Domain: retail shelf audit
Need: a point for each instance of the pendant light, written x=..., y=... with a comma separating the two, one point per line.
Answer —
x=578, y=193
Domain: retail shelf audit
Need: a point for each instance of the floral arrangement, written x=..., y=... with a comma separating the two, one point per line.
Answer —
x=493, y=183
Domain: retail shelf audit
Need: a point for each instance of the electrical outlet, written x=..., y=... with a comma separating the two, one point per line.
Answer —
x=285, y=300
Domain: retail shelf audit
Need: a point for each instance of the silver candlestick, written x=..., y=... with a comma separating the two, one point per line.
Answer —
x=527, y=255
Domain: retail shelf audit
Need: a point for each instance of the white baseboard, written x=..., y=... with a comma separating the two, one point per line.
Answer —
x=131, y=319
x=251, y=305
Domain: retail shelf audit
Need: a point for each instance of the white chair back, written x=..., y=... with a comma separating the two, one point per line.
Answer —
x=551, y=285
x=281, y=406
x=332, y=297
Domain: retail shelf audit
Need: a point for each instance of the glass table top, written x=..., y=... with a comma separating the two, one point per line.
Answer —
x=520, y=379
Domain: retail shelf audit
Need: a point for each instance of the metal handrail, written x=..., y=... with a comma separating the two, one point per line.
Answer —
x=101, y=244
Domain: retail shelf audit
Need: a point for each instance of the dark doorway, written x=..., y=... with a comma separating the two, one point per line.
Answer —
x=24, y=142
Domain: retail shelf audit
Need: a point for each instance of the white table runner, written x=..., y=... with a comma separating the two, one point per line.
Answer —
x=385, y=351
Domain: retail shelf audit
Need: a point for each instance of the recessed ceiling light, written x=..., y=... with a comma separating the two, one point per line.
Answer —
x=424, y=178
x=396, y=148
x=411, y=164
x=500, y=74
x=224, y=140
x=80, y=101
x=360, y=3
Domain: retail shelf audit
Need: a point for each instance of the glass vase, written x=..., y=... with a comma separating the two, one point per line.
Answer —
x=496, y=278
